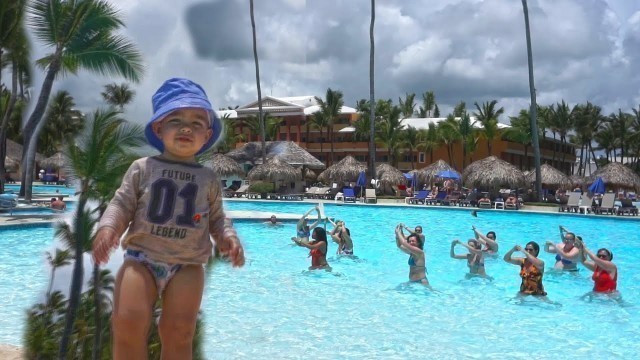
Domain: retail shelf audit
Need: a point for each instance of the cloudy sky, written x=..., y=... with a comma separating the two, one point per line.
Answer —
x=469, y=50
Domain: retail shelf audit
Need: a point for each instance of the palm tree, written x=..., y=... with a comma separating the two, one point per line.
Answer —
x=428, y=103
x=460, y=109
x=487, y=115
x=331, y=108
x=255, y=60
x=410, y=140
x=62, y=122
x=534, y=106
x=407, y=106
x=466, y=131
x=621, y=123
x=60, y=259
x=587, y=119
x=118, y=95
x=318, y=121
x=98, y=160
x=230, y=138
x=272, y=127
x=14, y=40
x=389, y=133
x=520, y=132
x=448, y=131
x=563, y=122
x=372, y=97
x=429, y=140
x=82, y=35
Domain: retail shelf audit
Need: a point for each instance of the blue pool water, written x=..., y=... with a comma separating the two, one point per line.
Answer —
x=275, y=308
x=43, y=189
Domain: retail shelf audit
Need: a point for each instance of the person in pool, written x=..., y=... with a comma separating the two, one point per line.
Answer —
x=531, y=268
x=303, y=229
x=273, y=221
x=342, y=236
x=489, y=241
x=413, y=246
x=567, y=255
x=475, y=257
x=416, y=231
x=318, y=247
x=605, y=272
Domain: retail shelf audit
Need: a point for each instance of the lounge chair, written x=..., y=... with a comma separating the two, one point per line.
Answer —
x=572, y=202
x=242, y=190
x=436, y=200
x=311, y=192
x=586, y=204
x=484, y=203
x=470, y=200
x=419, y=198
x=321, y=193
x=349, y=195
x=627, y=208
x=370, y=196
x=451, y=199
x=607, y=204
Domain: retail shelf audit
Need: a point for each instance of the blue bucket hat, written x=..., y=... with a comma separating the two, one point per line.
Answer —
x=178, y=93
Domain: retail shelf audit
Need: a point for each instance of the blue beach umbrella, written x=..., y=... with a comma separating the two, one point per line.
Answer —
x=448, y=174
x=362, y=181
x=597, y=186
x=414, y=182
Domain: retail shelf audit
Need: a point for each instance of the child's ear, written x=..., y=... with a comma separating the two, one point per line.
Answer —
x=209, y=134
x=156, y=127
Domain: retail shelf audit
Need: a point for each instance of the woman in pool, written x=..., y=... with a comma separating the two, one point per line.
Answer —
x=416, y=231
x=475, y=257
x=531, y=268
x=342, y=236
x=605, y=272
x=489, y=242
x=303, y=229
x=413, y=246
x=318, y=247
x=567, y=255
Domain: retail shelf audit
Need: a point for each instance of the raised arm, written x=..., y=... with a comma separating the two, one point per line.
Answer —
x=562, y=231
x=605, y=264
x=515, y=261
x=583, y=256
x=490, y=243
x=453, y=254
x=534, y=260
x=550, y=247
x=403, y=244
x=317, y=209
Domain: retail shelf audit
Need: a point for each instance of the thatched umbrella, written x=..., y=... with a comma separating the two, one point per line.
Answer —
x=56, y=161
x=492, y=173
x=11, y=163
x=346, y=169
x=427, y=174
x=578, y=180
x=389, y=176
x=274, y=170
x=288, y=151
x=551, y=177
x=309, y=174
x=617, y=175
x=224, y=165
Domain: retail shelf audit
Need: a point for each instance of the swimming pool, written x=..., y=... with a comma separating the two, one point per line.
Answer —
x=275, y=308
x=44, y=189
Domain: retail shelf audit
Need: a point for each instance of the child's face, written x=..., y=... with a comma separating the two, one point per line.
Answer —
x=183, y=133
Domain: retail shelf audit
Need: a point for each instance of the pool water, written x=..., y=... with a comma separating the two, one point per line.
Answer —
x=43, y=189
x=275, y=308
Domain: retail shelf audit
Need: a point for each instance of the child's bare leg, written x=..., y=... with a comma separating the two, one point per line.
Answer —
x=135, y=294
x=180, y=305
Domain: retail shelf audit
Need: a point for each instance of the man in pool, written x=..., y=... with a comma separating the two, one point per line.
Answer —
x=58, y=204
x=273, y=221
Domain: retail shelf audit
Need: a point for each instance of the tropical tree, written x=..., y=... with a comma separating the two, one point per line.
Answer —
x=563, y=123
x=13, y=42
x=407, y=106
x=436, y=111
x=428, y=104
x=318, y=121
x=448, y=131
x=429, y=140
x=389, y=133
x=331, y=108
x=82, y=35
x=59, y=259
x=466, y=132
x=230, y=138
x=487, y=115
x=410, y=140
x=272, y=127
x=62, y=123
x=620, y=124
x=257, y=65
x=98, y=160
x=520, y=132
x=118, y=95
x=587, y=119
x=460, y=109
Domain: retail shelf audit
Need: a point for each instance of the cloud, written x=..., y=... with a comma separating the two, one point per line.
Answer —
x=583, y=50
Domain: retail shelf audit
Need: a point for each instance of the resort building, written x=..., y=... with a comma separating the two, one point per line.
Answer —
x=297, y=115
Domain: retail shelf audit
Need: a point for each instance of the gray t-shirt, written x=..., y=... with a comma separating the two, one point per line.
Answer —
x=170, y=208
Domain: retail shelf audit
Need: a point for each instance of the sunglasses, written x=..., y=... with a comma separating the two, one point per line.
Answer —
x=418, y=230
x=529, y=249
x=603, y=256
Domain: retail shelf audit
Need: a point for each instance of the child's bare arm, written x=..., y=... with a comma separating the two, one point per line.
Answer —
x=106, y=240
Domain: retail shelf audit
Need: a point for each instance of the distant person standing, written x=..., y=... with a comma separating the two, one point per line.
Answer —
x=58, y=204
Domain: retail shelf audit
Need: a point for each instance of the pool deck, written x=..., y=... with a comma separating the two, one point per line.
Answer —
x=7, y=220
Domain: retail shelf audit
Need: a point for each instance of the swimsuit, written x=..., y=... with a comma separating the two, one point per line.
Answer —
x=316, y=257
x=161, y=272
x=531, y=280
x=567, y=262
x=603, y=281
x=412, y=263
x=345, y=251
x=475, y=262
x=303, y=234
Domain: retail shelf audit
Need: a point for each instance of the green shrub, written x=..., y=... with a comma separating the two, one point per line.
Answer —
x=261, y=187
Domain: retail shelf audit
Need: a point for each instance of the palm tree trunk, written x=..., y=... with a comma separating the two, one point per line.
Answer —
x=255, y=59
x=582, y=159
x=534, y=107
x=32, y=128
x=331, y=135
x=372, y=98
x=78, y=274
x=413, y=167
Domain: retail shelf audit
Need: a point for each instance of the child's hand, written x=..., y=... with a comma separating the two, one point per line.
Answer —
x=232, y=247
x=106, y=240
